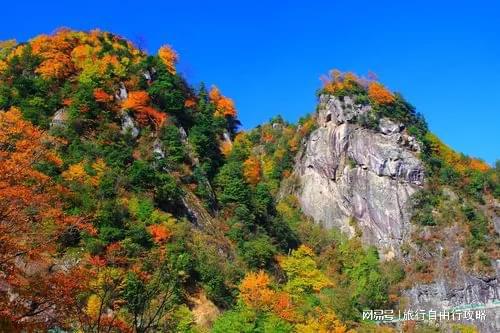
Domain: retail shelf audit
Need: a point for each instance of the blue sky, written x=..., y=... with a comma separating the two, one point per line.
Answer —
x=444, y=56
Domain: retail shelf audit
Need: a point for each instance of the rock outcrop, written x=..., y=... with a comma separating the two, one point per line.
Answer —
x=354, y=177
x=60, y=118
x=360, y=180
x=460, y=294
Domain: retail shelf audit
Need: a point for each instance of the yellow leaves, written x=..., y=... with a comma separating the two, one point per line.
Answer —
x=169, y=57
x=307, y=126
x=378, y=93
x=3, y=66
x=93, y=306
x=99, y=167
x=224, y=106
x=303, y=273
x=322, y=322
x=7, y=45
x=267, y=166
x=77, y=173
x=83, y=54
x=108, y=278
x=252, y=170
x=6, y=48
x=67, y=52
x=457, y=161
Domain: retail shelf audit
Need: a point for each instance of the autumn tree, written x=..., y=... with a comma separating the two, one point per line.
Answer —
x=102, y=96
x=255, y=291
x=139, y=101
x=252, y=170
x=169, y=57
x=55, y=52
x=31, y=220
x=379, y=93
x=322, y=322
x=303, y=274
x=224, y=106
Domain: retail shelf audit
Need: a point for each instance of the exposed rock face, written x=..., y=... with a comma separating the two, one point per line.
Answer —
x=59, y=119
x=122, y=93
x=357, y=178
x=333, y=109
x=158, y=151
x=461, y=293
x=347, y=171
x=128, y=125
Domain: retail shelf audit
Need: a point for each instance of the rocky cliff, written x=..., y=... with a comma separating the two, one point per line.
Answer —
x=360, y=180
x=351, y=176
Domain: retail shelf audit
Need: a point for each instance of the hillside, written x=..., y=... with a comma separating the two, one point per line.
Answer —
x=130, y=201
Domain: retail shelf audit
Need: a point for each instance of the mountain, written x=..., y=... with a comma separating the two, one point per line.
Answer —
x=131, y=201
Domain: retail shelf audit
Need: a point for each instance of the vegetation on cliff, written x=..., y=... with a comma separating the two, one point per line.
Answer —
x=125, y=193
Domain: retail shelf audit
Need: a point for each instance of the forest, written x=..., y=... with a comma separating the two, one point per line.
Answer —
x=132, y=201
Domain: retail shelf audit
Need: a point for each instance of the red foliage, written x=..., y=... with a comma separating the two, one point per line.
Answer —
x=32, y=219
x=160, y=233
x=101, y=96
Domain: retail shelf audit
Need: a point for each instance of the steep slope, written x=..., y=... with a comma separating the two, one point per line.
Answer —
x=368, y=179
x=353, y=177
x=131, y=202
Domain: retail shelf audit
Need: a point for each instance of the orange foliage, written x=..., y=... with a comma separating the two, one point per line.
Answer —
x=252, y=170
x=67, y=53
x=169, y=57
x=283, y=306
x=139, y=102
x=189, y=103
x=55, y=51
x=149, y=113
x=478, y=165
x=379, y=93
x=160, y=233
x=459, y=162
x=101, y=96
x=136, y=99
x=32, y=218
x=224, y=106
x=255, y=291
x=339, y=81
x=226, y=147
x=267, y=136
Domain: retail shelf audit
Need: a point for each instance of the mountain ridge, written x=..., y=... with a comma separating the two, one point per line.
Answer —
x=151, y=203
